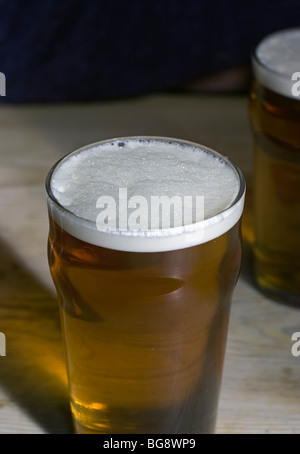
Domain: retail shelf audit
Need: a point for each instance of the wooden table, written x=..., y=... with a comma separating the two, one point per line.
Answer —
x=261, y=384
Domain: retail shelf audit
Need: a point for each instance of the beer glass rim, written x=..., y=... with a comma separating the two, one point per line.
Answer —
x=162, y=232
x=268, y=76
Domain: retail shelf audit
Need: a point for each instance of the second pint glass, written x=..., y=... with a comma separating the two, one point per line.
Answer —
x=275, y=119
x=144, y=312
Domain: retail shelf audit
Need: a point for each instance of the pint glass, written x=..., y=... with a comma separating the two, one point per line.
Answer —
x=144, y=308
x=275, y=119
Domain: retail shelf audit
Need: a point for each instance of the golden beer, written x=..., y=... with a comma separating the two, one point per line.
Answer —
x=145, y=323
x=275, y=119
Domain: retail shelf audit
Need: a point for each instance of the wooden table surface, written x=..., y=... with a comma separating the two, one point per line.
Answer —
x=261, y=383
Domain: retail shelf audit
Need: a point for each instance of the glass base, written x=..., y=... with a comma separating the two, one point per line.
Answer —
x=136, y=421
x=280, y=285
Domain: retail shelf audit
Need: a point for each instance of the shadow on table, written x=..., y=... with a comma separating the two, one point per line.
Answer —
x=33, y=370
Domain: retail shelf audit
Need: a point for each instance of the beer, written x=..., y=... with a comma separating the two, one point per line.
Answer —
x=275, y=118
x=144, y=312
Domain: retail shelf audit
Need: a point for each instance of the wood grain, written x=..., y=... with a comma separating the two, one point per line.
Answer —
x=261, y=385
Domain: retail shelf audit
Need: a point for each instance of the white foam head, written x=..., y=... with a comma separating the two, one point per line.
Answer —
x=276, y=59
x=145, y=169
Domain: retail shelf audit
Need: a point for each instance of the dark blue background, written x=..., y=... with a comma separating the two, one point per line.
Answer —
x=78, y=50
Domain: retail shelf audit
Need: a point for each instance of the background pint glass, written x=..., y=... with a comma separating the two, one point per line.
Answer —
x=144, y=313
x=275, y=119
